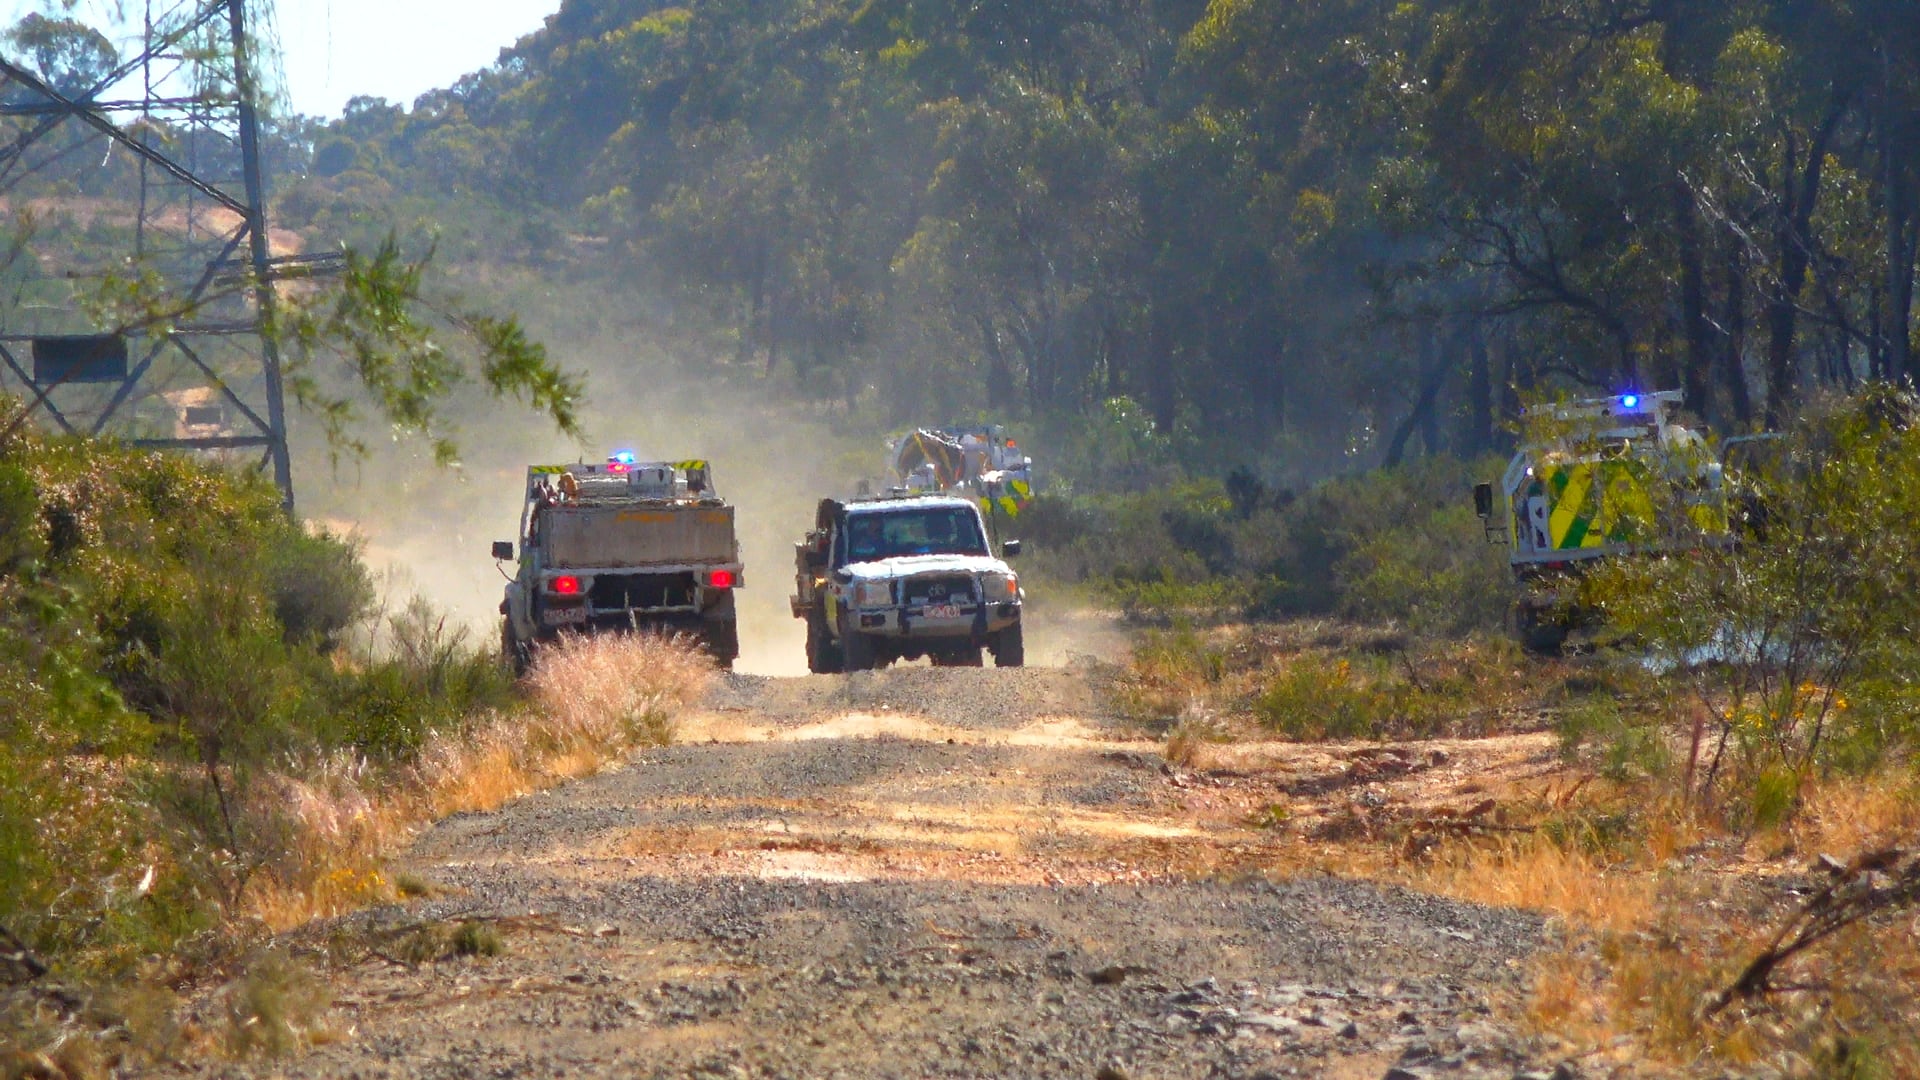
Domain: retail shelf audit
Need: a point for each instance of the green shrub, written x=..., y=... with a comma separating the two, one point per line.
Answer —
x=1811, y=608
x=422, y=675
x=320, y=587
x=1774, y=798
x=1399, y=545
x=167, y=639
x=1318, y=699
x=1627, y=746
x=21, y=542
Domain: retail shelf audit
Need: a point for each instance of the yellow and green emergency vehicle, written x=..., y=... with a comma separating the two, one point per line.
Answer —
x=1598, y=478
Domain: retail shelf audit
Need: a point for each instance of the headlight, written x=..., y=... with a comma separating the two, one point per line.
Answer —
x=872, y=594
x=997, y=588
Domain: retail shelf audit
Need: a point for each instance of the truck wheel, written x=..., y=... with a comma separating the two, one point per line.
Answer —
x=722, y=639
x=858, y=652
x=514, y=651
x=823, y=656
x=1542, y=631
x=1010, y=647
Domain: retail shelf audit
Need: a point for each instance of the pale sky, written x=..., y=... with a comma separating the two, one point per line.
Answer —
x=333, y=50
x=396, y=49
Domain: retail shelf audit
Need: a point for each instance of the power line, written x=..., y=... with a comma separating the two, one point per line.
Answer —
x=199, y=267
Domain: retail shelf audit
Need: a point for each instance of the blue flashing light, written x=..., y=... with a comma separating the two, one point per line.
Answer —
x=1630, y=401
x=622, y=457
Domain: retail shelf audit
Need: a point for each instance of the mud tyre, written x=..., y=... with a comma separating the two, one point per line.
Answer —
x=958, y=658
x=722, y=639
x=1541, y=631
x=720, y=633
x=858, y=652
x=516, y=654
x=1010, y=647
x=823, y=655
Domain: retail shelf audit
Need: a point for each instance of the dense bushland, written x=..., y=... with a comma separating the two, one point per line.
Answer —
x=1734, y=789
x=168, y=637
x=1398, y=545
x=1302, y=235
x=1795, y=642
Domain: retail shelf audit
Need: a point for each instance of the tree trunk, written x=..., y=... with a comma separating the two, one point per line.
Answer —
x=755, y=330
x=1900, y=213
x=1697, y=369
x=1734, y=357
x=1793, y=235
x=1504, y=439
x=999, y=373
x=1433, y=373
x=1162, y=391
x=1479, y=437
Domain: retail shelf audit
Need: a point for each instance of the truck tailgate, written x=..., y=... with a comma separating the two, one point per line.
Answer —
x=638, y=536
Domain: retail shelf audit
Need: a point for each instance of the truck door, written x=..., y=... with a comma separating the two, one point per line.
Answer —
x=1537, y=531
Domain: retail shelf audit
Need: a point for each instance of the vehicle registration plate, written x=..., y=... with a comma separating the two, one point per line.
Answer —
x=572, y=616
x=942, y=611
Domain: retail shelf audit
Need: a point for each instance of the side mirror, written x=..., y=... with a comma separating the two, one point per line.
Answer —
x=1483, y=500
x=1010, y=549
x=503, y=550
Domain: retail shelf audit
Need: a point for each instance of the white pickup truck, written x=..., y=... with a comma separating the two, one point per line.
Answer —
x=622, y=546
x=900, y=578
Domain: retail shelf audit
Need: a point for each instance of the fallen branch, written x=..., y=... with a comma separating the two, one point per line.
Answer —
x=1872, y=883
x=21, y=955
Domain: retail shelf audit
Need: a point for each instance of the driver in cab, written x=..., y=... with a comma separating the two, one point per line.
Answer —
x=865, y=541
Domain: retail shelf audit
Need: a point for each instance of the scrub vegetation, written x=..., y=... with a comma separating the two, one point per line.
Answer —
x=213, y=727
x=1262, y=282
x=1728, y=829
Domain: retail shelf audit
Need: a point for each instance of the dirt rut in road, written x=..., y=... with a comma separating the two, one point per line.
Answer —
x=917, y=872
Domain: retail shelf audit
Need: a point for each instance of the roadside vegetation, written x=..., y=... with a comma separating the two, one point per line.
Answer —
x=211, y=727
x=1727, y=816
x=1211, y=254
x=1395, y=545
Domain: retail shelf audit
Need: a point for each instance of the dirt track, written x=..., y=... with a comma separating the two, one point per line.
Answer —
x=924, y=872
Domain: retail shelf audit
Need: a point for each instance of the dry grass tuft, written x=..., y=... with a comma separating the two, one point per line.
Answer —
x=274, y=1009
x=1536, y=874
x=1853, y=815
x=1188, y=741
x=593, y=702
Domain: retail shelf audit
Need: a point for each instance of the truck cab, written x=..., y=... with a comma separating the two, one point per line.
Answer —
x=900, y=578
x=1597, y=479
x=622, y=546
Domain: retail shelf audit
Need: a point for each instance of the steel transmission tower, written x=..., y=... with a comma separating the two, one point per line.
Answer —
x=142, y=289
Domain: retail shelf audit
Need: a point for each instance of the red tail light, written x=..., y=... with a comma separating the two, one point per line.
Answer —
x=566, y=586
x=721, y=579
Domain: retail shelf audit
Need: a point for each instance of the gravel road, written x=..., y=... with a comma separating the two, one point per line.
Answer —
x=915, y=872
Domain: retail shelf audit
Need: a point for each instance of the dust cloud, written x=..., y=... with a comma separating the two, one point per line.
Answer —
x=427, y=530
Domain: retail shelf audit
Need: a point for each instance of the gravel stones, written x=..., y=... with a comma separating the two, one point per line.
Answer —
x=917, y=965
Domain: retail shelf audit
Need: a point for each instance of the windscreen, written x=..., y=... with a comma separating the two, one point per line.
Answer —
x=940, y=530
